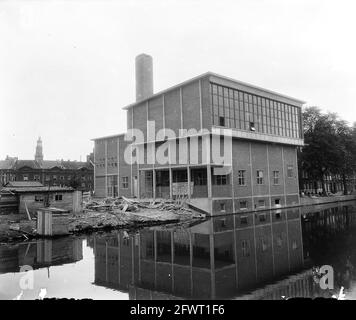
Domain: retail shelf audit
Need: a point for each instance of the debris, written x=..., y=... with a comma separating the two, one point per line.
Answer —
x=122, y=204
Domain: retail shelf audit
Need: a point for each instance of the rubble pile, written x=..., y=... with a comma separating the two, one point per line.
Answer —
x=123, y=212
x=122, y=204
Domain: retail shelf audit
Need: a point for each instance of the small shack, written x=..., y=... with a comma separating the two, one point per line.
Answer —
x=52, y=222
x=32, y=195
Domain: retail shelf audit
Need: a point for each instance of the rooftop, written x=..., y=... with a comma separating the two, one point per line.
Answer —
x=212, y=74
x=108, y=137
x=23, y=184
x=38, y=189
x=44, y=164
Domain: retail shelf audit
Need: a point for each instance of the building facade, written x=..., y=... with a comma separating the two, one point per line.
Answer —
x=61, y=173
x=334, y=184
x=265, y=130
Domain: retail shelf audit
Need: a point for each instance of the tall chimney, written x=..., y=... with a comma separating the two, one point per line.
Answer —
x=144, y=76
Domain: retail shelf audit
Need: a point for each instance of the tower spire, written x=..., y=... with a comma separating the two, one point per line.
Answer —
x=39, y=150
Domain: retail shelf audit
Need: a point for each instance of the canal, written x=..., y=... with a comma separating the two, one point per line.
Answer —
x=262, y=255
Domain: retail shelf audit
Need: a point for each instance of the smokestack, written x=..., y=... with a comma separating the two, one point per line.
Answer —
x=144, y=76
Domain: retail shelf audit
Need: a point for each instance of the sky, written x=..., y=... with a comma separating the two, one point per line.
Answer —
x=67, y=67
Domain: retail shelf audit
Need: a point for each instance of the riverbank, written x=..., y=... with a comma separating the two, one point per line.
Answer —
x=309, y=201
x=11, y=230
x=106, y=216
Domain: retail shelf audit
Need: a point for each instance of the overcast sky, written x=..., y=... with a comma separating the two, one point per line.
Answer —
x=67, y=67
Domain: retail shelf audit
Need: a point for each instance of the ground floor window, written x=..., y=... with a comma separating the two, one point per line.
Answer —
x=112, y=186
x=58, y=197
x=125, y=182
x=39, y=198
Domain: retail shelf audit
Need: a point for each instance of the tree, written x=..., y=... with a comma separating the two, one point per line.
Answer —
x=346, y=151
x=318, y=156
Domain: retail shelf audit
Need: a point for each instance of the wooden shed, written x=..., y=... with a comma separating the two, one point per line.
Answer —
x=32, y=195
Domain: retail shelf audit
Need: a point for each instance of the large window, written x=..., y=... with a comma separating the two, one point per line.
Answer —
x=290, y=171
x=58, y=197
x=242, y=180
x=259, y=174
x=275, y=177
x=245, y=248
x=240, y=110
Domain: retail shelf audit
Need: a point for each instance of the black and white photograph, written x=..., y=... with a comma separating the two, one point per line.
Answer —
x=195, y=151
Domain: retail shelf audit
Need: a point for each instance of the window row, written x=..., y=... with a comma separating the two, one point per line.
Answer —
x=25, y=177
x=200, y=178
x=237, y=109
x=263, y=244
x=260, y=176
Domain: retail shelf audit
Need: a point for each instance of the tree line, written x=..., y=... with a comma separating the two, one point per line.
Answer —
x=330, y=148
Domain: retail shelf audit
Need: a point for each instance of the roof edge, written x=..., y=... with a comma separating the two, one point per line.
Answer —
x=212, y=74
x=107, y=137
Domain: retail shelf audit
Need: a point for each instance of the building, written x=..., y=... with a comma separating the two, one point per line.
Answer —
x=76, y=174
x=264, y=127
x=20, y=196
x=333, y=183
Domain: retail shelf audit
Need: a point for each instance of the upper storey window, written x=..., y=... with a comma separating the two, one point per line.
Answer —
x=241, y=110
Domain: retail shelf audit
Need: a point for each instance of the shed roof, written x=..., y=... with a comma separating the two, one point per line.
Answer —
x=39, y=189
x=23, y=184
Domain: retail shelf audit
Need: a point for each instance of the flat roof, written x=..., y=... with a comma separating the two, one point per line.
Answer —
x=108, y=137
x=43, y=189
x=212, y=74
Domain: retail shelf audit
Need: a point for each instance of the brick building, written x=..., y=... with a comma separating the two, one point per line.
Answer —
x=265, y=128
x=76, y=174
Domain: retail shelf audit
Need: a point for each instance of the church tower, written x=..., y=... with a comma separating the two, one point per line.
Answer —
x=39, y=153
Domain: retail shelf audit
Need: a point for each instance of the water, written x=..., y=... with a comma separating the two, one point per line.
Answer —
x=267, y=255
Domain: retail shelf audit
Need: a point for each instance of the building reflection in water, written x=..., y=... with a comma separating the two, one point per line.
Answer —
x=220, y=258
x=40, y=254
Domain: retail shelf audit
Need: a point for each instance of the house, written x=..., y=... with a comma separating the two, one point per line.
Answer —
x=20, y=196
x=257, y=133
